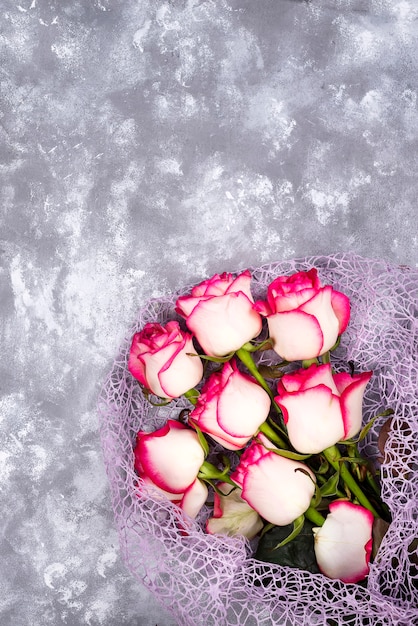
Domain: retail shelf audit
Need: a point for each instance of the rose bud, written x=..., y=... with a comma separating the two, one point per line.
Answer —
x=232, y=515
x=304, y=318
x=220, y=313
x=169, y=460
x=321, y=408
x=279, y=489
x=344, y=543
x=160, y=359
x=231, y=407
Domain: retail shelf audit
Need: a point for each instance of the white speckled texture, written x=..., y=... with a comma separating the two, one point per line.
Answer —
x=144, y=146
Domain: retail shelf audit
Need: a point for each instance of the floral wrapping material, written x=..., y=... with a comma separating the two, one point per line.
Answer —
x=381, y=338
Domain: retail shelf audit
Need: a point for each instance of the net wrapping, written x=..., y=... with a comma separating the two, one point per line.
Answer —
x=212, y=580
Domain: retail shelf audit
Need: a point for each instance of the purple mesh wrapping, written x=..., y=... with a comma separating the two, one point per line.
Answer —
x=212, y=580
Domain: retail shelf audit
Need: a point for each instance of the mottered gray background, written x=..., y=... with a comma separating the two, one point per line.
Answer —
x=145, y=146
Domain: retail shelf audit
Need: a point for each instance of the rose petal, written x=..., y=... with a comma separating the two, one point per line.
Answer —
x=242, y=407
x=171, y=456
x=224, y=324
x=263, y=308
x=242, y=284
x=351, y=401
x=292, y=301
x=173, y=497
x=296, y=334
x=313, y=419
x=320, y=306
x=205, y=413
x=181, y=372
x=343, y=544
x=276, y=488
x=341, y=305
x=135, y=365
x=232, y=515
x=154, y=362
x=250, y=456
x=185, y=305
x=194, y=498
x=307, y=378
x=208, y=424
x=218, y=285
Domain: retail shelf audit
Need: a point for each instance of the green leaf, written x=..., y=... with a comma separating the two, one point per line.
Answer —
x=277, y=427
x=369, y=424
x=271, y=371
x=202, y=440
x=298, y=553
x=353, y=459
x=266, y=529
x=366, y=428
x=324, y=467
x=317, y=497
x=192, y=395
x=215, y=359
x=290, y=455
x=267, y=344
x=330, y=488
x=297, y=528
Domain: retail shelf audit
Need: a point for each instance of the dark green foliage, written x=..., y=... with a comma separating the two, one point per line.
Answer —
x=298, y=553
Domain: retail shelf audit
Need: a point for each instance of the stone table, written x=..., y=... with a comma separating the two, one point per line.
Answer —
x=145, y=146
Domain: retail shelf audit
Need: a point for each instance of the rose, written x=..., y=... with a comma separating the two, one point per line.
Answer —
x=231, y=407
x=169, y=460
x=232, y=515
x=160, y=359
x=344, y=543
x=278, y=488
x=220, y=313
x=304, y=318
x=321, y=408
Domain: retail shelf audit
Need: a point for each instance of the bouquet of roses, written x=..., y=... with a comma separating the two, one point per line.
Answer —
x=292, y=457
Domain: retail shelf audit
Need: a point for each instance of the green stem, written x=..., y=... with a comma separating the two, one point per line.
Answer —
x=326, y=357
x=208, y=471
x=308, y=362
x=272, y=436
x=370, y=479
x=248, y=361
x=314, y=516
x=352, y=451
x=246, y=358
x=322, y=480
x=332, y=454
x=192, y=395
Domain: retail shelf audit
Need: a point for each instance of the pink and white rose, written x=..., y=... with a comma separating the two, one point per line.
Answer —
x=321, y=408
x=231, y=407
x=220, y=312
x=279, y=489
x=344, y=543
x=169, y=460
x=160, y=359
x=304, y=318
x=232, y=515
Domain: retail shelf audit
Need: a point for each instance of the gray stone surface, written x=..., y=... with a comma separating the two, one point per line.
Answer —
x=144, y=146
